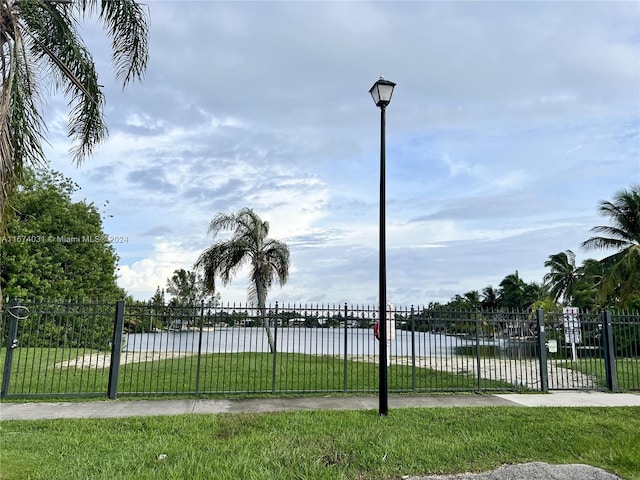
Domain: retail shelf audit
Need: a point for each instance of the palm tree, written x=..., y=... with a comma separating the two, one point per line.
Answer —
x=472, y=298
x=534, y=292
x=515, y=293
x=41, y=47
x=269, y=259
x=586, y=286
x=490, y=298
x=512, y=291
x=563, y=276
x=622, y=269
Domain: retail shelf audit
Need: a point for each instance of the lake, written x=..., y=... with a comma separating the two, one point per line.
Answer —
x=314, y=341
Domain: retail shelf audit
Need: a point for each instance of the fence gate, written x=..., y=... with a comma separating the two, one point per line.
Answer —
x=574, y=350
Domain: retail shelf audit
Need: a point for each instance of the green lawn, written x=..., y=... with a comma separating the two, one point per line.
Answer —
x=321, y=445
x=38, y=371
x=628, y=371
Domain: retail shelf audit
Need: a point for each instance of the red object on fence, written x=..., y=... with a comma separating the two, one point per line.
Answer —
x=376, y=330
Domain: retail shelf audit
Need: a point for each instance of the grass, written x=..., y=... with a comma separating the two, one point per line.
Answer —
x=628, y=371
x=321, y=444
x=37, y=371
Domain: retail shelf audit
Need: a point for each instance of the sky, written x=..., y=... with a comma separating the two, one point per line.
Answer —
x=509, y=123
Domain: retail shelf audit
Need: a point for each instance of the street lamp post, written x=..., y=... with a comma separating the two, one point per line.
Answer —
x=381, y=93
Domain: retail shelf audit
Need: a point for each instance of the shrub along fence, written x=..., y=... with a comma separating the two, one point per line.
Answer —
x=53, y=349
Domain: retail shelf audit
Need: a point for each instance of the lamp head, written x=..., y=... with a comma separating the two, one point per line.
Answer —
x=381, y=92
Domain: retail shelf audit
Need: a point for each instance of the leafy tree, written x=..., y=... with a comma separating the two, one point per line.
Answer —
x=188, y=290
x=268, y=258
x=41, y=48
x=158, y=298
x=633, y=305
x=189, y=295
x=159, y=306
x=53, y=247
x=547, y=304
x=621, y=279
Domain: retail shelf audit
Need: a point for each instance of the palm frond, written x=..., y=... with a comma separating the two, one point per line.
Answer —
x=128, y=27
x=623, y=278
x=56, y=44
x=622, y=269
x=21, y=125
x=276, y=254
x=603, y=243
x=222, y=222
x=39, y=41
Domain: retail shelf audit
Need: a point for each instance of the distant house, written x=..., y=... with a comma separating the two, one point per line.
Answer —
x=178, y=326
x=297, y=322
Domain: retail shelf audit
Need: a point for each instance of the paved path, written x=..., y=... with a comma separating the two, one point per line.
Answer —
x=134, y=408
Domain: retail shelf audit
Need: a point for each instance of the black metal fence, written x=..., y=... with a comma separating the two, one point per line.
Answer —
x=65, y=348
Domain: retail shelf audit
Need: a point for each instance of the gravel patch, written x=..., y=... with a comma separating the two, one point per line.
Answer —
x=525, y=371
x=531, y=471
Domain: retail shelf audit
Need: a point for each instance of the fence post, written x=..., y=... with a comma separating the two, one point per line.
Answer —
x=478, y=359
x=275, y=350
x=345, y=347
x=413, y=350
x=12, y=344
x=542, y=348
x=199, y=347
x=116, y=348
x=609, y=352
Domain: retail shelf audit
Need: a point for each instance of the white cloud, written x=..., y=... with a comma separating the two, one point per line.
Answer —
x=143, y=276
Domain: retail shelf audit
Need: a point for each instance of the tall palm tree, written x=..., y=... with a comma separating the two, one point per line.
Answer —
x=622, y=269
x=268, y=258
x=41, y=48
x=563, y=276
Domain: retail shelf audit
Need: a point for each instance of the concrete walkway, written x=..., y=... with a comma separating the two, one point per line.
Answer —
x=139, y=408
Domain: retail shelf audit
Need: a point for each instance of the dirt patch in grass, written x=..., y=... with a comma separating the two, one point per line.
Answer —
x=103, y=360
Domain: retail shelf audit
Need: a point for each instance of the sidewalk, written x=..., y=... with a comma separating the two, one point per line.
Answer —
x=135, y=408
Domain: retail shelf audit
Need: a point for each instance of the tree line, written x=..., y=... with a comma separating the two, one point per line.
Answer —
x=613, y=281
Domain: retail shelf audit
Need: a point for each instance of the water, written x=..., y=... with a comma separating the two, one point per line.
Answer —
x=315, y=341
